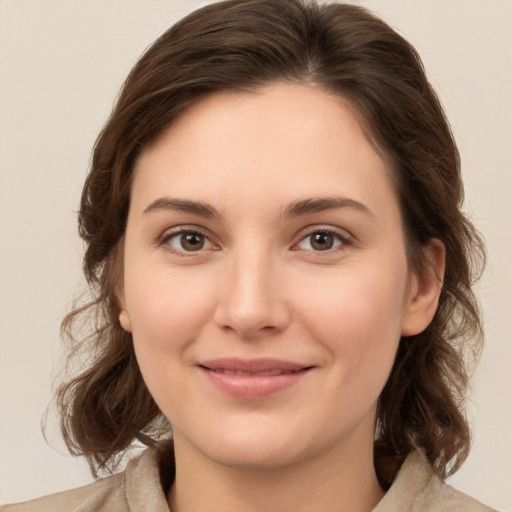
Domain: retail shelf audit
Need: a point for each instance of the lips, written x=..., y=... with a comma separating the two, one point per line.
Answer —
x=242, y=373
x=253, y=379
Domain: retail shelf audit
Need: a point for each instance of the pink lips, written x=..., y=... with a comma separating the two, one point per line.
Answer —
x=253, y=379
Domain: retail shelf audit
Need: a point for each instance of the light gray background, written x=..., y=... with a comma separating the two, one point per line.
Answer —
x=61, y=65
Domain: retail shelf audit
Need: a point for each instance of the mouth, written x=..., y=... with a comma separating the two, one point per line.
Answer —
x=242, y=373
x=253, y=379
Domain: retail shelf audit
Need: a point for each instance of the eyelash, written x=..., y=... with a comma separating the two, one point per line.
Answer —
x=343, y=241
x=168, y=236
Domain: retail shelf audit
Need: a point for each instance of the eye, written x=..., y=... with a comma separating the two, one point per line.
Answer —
x=187, y=241
x=322, y=240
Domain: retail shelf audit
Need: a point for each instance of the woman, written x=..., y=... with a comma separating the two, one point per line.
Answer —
x=281, y=270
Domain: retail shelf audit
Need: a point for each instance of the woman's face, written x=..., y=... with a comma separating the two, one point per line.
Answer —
x=265, y=277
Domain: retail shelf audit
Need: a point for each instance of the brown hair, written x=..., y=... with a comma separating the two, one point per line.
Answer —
x=240, y=45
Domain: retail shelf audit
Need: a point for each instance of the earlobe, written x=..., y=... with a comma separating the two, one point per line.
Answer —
x=124, y=320
x=424, y=290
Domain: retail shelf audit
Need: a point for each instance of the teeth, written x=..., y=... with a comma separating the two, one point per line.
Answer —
x=247, y=374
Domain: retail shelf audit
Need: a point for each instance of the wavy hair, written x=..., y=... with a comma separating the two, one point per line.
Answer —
x=241, y=45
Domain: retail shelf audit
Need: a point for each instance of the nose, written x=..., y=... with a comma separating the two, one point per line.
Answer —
x=253, y=301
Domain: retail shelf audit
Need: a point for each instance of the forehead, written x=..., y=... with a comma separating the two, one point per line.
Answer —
x=281, y=142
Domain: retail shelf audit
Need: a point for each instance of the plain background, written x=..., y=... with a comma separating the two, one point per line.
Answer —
x=62, y=63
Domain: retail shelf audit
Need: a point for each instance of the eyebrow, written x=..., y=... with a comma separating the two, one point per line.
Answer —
x=320, y=204
x=184, y=205
x=295, y=209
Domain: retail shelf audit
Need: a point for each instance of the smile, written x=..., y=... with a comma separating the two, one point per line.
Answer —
x=241, y=373
x=253, y=379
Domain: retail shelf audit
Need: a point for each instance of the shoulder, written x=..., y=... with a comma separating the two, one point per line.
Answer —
x=136, y=489
x=418, y=489
x=102, y=495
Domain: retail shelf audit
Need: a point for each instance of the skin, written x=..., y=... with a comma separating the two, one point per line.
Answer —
x=259, y=286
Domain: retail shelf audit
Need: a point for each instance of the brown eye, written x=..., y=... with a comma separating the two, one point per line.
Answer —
x=192, y=241
x=188, y=241
x=322, y=241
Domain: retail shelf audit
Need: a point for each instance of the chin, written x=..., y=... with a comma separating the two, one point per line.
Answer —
x=258, y=447
x=254, y=456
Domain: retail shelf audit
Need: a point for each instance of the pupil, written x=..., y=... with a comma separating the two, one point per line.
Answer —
x=192, y=241
x=322, y=241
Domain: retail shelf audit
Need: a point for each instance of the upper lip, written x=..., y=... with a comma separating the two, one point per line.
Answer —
x=253, y=366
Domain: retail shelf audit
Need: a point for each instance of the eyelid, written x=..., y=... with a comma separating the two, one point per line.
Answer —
x=344, y=236
x=172, y=232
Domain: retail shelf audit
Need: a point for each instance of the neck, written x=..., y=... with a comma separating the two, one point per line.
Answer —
x=341, y=479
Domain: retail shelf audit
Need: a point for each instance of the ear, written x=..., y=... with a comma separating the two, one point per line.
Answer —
x=424, y=290
x=124, y=318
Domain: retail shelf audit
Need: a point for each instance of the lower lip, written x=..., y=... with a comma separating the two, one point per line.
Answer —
x=254, y=387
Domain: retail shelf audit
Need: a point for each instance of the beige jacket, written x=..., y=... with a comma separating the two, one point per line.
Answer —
x=139, y=489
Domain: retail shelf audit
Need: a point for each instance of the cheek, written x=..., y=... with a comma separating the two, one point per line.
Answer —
x=357, y=317
x=158, y=297
x=167, y=310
